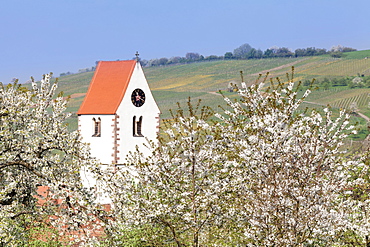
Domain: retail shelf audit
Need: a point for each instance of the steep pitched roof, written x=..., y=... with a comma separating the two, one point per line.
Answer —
x=107, y=87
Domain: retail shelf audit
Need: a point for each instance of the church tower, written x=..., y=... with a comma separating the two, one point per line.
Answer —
x=119, y=111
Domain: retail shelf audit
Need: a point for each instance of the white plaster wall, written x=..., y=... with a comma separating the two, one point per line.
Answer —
x=126, y=111
x=101, y=147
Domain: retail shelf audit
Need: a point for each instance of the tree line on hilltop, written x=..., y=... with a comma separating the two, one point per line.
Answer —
x=246, y=51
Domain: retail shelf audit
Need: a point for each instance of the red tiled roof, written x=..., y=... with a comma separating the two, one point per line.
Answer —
x=107, y=87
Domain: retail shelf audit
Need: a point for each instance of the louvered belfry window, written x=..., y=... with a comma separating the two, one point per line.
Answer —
x=137, y=126
x=97, y=127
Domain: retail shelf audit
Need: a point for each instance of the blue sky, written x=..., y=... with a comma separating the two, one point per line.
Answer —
x=41, y=36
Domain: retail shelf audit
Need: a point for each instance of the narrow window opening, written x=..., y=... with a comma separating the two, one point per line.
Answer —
x=137, y=126
x=97, y=127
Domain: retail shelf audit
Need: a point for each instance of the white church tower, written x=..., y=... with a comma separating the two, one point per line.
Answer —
x=119, y=111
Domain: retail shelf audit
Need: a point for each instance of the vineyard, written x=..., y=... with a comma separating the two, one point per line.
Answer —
x=341, y=67
x=215, y=75
x=357, y=101
x=175, y=83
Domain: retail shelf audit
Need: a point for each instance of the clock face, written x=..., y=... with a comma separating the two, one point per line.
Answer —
x=138, y=97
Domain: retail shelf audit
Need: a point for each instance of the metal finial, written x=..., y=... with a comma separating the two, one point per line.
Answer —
x=137, y=56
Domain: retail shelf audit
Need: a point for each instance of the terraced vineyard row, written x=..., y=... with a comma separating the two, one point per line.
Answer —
x=360, y=99
x=342, y=67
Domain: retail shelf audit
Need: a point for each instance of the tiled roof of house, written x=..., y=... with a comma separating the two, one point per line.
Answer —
x=107, y=87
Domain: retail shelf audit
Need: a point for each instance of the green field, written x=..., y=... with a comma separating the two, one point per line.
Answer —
x=175, y=83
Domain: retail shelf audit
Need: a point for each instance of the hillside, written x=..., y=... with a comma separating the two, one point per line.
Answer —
x=171, y=84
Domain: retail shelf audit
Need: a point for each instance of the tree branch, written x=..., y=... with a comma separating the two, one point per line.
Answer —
x=25, y=165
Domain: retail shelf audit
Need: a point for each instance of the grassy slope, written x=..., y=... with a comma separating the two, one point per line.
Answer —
x=171, y=84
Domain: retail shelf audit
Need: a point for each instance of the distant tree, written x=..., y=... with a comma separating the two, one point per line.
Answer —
x=337, y=48
x=70, y=73
x=252, y=53
x=153, y=62
x=367, y=81
x=283, y=52
x=143, y=62
x=320, y=51
x=336, y=54
x=300, y=52
x=228, y=55
x=348, y=49
x=335, y=82
x=352, y=85
x=340, y=48
x=212, y=57
x=311, y=51
x=174, y=60
x=274, y=49
x=84, y=70
x=163, y=61
x=192, y=56
x=242, y=51
x=325, y=80
x=326, y=85
x=268, y=53
x=342, y=82
x=337, y=51
x=259, y=53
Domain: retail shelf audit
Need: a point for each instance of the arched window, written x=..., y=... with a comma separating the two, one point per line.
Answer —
x=137, y=126
x=97, y=127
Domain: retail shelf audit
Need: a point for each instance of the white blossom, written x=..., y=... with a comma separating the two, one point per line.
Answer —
x=37, y=152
